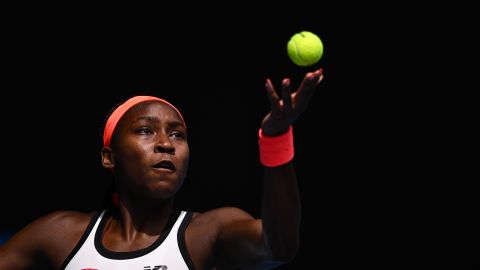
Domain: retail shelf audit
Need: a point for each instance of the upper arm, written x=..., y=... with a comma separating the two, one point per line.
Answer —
x=24, y=248
x=15, y=254
x=48, y=238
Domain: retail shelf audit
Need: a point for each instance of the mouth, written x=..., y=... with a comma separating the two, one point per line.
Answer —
x=165, y=165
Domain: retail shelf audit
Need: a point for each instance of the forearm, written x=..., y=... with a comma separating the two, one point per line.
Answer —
x=281, y=211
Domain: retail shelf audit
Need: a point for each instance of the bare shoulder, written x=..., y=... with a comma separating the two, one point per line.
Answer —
x=65, y=227
x=224, y=236
x=61, y=222
x=206, y=232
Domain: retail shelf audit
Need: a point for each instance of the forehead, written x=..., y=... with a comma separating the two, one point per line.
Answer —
x=154, y=108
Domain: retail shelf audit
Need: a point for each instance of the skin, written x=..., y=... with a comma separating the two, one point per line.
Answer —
x=223, y=238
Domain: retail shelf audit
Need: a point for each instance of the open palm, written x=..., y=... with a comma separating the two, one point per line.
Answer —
x=286, y=110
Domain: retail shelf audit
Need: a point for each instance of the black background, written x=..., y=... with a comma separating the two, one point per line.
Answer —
x=71, y=64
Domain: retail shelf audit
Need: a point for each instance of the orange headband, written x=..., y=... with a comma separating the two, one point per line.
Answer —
x=120, y=111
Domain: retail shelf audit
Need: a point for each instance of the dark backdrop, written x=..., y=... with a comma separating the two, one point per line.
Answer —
x=72, y=64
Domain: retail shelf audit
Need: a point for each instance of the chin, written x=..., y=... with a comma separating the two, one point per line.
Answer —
x=163, y=191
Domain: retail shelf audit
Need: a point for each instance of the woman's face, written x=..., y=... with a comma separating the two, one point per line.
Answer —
x=150, y=151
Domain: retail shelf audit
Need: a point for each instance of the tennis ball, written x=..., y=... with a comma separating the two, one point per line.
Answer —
x=305, y=48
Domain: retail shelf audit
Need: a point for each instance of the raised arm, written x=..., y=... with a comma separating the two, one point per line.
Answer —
x=273, y=239
x=281, y=202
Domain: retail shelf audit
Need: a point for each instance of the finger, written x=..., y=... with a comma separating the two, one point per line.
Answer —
x=309, y=83
x=286, y=96
x=319, y=75
x=320, y=79
x=273, y=97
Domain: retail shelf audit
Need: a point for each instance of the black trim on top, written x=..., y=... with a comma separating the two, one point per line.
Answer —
x=82, y=240
x=181, y=240
x=131, y=254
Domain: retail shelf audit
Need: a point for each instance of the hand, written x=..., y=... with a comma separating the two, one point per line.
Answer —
x=285, y=111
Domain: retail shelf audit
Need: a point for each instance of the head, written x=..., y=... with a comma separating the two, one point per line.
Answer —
x=145, y=146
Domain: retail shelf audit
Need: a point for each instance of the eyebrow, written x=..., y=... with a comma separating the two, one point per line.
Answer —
x=157, y=120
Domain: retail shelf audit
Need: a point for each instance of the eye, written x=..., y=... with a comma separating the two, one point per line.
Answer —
x=177, y=134
x=144, y=130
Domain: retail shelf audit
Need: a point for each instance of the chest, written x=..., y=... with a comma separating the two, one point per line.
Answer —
x=98, y=250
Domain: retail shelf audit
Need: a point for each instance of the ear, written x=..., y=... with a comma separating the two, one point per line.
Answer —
x=108, y=161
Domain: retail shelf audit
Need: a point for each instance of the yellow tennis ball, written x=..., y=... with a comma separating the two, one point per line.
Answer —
x=305, y=48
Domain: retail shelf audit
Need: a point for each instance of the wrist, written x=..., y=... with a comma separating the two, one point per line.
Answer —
x=276, y=150
x=270, y=133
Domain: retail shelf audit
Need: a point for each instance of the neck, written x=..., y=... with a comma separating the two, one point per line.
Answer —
x=141, y=219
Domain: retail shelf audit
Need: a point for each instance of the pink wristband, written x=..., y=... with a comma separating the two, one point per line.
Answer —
x=276, y=151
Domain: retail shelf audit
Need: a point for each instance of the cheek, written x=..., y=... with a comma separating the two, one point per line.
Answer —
x=134, y=152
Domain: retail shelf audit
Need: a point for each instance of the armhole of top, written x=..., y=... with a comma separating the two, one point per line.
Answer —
x=82, y=240
x=181, y=240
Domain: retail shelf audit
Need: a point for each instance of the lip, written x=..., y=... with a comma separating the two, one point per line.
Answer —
x=164, y=170
x=164, y=165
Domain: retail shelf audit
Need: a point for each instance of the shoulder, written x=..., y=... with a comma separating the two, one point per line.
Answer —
x=57, y=230
x=230, y=235
x=209, y=230
x=62, y=222
x=58, y=222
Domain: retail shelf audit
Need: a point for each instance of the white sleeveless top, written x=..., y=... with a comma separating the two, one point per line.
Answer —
x=167, y=252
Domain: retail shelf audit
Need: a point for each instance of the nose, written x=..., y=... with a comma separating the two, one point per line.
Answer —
x=164, y=145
